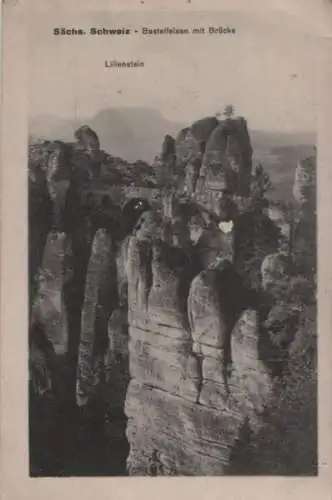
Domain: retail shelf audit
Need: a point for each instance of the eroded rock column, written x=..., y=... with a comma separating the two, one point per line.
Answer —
x=184, y=412
x=100, y=298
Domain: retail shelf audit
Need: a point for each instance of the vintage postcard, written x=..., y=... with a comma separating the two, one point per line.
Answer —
x=165, y=276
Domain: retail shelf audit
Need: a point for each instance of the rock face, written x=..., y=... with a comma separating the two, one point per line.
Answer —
x=182, y=408
x=40, y=209
x=305, y=181
x=305, y=225
x=215, y=301
x=170, y=284
x=190, y=438
x=255, y=237
x=168, y=149
x=304, y=243
x=229, y=146
x=165, y=162
x=282, y=218
x=275, y=267
x=187, y=148
x=81, y=237
x=214, y=244
x=251, y=383
x=58, y=181
x=100, y=299
x=202, y=129
x=174, y=322
x=59, y=175
x=217, y=159
x=87, y=138
x=40, y=222
x=191, y=175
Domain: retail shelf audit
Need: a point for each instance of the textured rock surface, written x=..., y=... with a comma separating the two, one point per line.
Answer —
x=255, y=237
x=164, y=361
x=305, y=225
x=202, y=129
x=304, y=243
x=58, y=181
x=215, y=300
x=139, y=275
x=191, y=175
x=184, y=408
x=100, y=292
x=50, y=301
x=187, y=148
x=76, y=264
x=275, y=267
x=229, y=146
x=39, y=220
x=87, y=138
x=214, y=245
x=168, y=148
x=165, y=162
x=251, y=383
x=282, y=217
x=170, y=267
x=167, y=299
x=305, y=181
x=117, y=362
x=213, y=303
x=190, y=439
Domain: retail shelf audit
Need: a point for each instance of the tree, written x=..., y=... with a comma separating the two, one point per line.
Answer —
x=229, y=111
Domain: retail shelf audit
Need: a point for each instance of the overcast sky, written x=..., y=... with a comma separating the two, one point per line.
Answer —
x=266, y=69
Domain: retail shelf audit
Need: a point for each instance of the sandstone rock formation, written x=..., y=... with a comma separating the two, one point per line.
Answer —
x=100, y=298
x=58, y=181
x=229, y=146
x=215, y=301
x=189, y=149
x=251, y=383
x=305, y=224
x=214, y=244
x=87, y=137
x=203, y=128
x=305, y=182
x=170, y=380
x=164, y=163
x=171, y=276
x=282, y=217
x=172, y=292
x=168, y=149
x=275, y=267
x=39, y=218
x=255, y=237
x=304, y=243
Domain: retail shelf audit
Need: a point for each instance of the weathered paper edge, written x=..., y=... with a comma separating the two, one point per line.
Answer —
x=14, y=480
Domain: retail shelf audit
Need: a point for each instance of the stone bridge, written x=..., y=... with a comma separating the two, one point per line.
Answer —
x=118, y=194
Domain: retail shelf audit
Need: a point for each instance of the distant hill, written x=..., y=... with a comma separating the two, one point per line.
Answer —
x=131, y=133
x=137, y=134
x=279, y=154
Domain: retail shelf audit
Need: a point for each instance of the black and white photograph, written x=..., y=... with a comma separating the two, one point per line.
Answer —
x=172, y=274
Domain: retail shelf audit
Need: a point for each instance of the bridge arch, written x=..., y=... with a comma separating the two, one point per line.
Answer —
x=133, y=209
